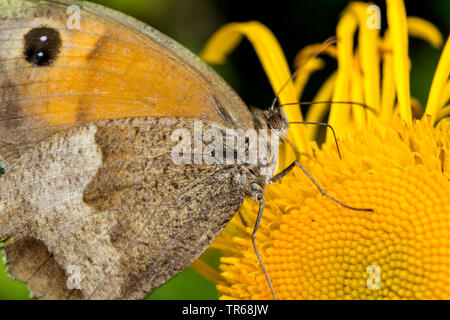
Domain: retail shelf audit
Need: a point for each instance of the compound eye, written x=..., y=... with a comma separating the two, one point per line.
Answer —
x=42, y=46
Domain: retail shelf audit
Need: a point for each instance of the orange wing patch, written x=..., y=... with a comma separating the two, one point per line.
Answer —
x=104, y=70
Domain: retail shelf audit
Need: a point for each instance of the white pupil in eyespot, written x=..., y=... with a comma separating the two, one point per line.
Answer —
x=40, y=54
x=43, y=38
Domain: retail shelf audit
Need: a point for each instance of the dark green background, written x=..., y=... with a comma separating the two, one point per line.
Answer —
x=296, y=24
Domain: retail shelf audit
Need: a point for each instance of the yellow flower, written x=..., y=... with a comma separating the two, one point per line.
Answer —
x=394, y=160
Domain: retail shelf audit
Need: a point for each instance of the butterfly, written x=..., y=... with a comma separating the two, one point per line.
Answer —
x=92, y=205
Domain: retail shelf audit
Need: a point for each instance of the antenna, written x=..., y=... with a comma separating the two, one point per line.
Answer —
x=326, y=43
x=325, y=125
x=337, y=102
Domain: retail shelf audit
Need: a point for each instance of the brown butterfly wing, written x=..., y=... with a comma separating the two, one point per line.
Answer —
x=107, y=200
x=66, y=204
x=112, y=67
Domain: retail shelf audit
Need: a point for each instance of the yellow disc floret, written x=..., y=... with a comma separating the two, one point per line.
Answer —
x=312, y=247
x=315, y=249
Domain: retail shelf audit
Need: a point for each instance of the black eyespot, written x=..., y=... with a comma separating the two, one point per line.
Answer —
x=42, y=46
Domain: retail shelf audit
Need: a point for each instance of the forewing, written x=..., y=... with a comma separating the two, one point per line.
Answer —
x=111, y=67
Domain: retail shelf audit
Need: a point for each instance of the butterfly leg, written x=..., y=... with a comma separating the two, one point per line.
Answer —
x=255, y=230
x=298, y=164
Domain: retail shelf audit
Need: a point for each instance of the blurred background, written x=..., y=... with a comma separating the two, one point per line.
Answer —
x=295, y=24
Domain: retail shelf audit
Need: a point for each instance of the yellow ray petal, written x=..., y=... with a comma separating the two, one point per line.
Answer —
x=423, y=29
x=207, y=271
x=388, y=83
x=396, y=16
x=439, y=82
x=357, y=96
x=317, y=112
x=304, y=74
x=308, y=51
x=272, y=59
x=306, y=65
x=445, y=96
x=443, y=113
x=370, y=60
x=339, y=113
